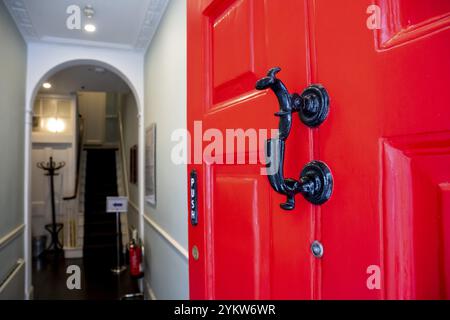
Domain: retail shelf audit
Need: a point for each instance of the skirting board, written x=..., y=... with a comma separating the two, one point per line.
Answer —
x=149, y=294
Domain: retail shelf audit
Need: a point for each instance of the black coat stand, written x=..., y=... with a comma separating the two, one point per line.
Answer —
x=54, y=228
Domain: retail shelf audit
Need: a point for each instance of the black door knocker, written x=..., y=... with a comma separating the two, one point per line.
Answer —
x=316, y=181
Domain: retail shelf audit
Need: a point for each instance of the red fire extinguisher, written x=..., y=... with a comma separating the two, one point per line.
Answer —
x=135, y=251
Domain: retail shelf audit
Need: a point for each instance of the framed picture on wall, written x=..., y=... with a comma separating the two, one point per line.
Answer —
x=150, y=164
x=133, y=165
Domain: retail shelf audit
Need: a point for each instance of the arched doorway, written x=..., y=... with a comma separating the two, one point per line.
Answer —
x=33, y=86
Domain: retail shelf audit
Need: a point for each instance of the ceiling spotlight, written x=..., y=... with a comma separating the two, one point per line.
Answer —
x=97, y=69
x=90, y=27
x=89, y=11
x=47, y=85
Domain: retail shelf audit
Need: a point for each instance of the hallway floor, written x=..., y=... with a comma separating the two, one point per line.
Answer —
x=97, y=281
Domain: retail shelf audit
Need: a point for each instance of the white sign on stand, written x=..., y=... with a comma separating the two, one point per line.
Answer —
x=116, y=204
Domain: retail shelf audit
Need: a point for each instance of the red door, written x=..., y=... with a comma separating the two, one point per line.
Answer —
x=386, y=140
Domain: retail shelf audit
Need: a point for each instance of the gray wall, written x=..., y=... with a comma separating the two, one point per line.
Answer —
x=12, y=106
x=166, y=230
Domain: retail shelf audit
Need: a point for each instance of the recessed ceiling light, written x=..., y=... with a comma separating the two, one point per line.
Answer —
x=97, y=69
x=90, y=27
x=47, y=85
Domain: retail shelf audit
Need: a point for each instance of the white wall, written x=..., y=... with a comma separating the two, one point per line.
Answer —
x=12, y=100
x=130, y=136
x=92, y=107
x=166, y=230
x=45, y=59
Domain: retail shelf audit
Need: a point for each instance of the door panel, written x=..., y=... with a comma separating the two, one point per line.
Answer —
x=405, y=20
x=240, y=247
x=235, y=26
x=415, y=188
x=413, y=12
x=444, y=199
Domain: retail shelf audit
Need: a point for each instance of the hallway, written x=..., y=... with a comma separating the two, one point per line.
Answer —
x=101, y=244
x=60, y=76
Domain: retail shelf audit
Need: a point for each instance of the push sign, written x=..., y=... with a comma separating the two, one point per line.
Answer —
x=116, y=204
x=193, y=198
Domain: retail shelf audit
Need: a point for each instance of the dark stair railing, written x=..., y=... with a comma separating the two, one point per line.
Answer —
x=80, y=135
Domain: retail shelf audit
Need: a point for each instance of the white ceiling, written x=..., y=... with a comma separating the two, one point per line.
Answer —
x=73, y=79
x=126, y=24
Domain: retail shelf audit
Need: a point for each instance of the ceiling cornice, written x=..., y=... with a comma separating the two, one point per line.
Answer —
x=153, y=15
x=22, y=18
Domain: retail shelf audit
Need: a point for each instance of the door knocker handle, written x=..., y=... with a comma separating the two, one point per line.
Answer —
x=316, y=181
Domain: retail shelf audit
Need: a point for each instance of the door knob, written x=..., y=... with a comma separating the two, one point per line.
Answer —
x=316, y=181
